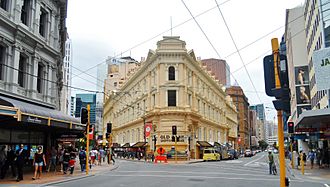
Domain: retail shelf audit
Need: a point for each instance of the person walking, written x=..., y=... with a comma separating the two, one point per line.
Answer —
x=311, y=157
x=66, y=159
x=72, y=160
x=10, y=162
x=112, y=156
x=21, y=156
x=3, y=158
x=82, y=159
x=39, y=161
x=52, y=161
x=270, y=162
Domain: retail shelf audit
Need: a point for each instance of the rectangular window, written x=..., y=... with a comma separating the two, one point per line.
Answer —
x=153, y=100
x=40, y=78
x=115, y=84
x=21, y=70
x=42, y=23
x=171, y=97
x=4, y=4
x=189, y=99
x=2, y=61
x=25, y=12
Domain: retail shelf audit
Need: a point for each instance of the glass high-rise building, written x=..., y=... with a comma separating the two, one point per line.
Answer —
x=82, y=100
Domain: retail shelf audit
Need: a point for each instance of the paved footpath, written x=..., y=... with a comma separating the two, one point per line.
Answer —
x=51, y=177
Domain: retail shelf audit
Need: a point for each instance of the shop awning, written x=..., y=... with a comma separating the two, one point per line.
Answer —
x=139, y=144
x=204, y=144
x=314, y=119
x=33, y=113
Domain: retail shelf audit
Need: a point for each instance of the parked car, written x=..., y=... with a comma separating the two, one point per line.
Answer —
x=233, y=154
x=248, y=153
x=210, y=154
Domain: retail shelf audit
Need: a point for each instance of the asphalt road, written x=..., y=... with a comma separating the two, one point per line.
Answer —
x=243, y=172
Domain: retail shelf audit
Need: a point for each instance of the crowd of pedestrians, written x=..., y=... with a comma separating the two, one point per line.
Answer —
x=321, y=156
x=55, y=159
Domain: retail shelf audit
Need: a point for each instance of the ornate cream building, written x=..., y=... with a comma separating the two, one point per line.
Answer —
x=171, y=88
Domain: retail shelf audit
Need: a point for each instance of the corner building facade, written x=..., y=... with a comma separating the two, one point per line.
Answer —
x=171, y=88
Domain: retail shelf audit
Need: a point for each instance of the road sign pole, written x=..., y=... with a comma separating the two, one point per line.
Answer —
x=87, y=139
x=176, y=151
x=275, y=49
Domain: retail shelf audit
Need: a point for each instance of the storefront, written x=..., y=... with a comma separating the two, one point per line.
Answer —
x=30, y=124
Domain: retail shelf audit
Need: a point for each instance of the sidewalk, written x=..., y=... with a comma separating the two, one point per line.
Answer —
x=52, y=177
x=315, y=174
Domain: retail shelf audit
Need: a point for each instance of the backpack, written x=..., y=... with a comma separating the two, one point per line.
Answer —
x=82, y=155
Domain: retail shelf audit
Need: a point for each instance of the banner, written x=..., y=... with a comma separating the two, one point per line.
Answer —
x=147, y=130
x=321, y=62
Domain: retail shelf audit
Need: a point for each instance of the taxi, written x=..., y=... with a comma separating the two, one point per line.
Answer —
x=210, y=154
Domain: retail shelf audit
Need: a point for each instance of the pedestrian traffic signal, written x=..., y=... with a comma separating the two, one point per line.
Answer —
x=174, y=130
x=91, y=128
x=290, y=127
x=84, y=116
x=109, y=127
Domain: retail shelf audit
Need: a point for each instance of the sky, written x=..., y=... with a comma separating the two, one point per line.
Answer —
x=108, y=28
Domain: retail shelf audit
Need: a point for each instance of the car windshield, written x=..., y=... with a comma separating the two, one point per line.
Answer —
x=208, y=151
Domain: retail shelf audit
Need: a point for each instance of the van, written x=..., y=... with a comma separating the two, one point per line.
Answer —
x=210, y=154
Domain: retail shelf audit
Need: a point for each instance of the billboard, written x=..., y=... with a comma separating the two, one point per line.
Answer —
x=302, y=89
x=321, y=62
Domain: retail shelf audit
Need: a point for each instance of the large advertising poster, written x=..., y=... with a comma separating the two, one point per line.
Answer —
x=302, y=89
x=321, y=63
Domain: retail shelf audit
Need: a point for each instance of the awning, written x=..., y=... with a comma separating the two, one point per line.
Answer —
x=313, y=119
x=139, y=144
x=204, y=144
x=34, y=113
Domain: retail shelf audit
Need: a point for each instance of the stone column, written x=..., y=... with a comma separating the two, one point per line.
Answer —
x=36, y=20
x=13, y=69
x=17, y=10
x=33, y=80
x=50, y=85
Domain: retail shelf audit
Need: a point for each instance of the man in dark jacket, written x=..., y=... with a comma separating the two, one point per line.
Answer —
x=21, y=156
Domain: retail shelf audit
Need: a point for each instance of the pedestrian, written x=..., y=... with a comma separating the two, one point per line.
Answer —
x=298, y=159
x=112, y=156
x=21, y=156
x=82, y=159
x=3, y=158
x=52, y=160
x=318, y=158
x=66, y=159
x=10, y=162
x=311, y=157
x=72, y=160
x=102, y=154
x=39, y=161
x=304, y=158
x=92, y=155
x=271, y=162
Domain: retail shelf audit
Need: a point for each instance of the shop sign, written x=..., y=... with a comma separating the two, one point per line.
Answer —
x=31, y=119
x=168, y=138
x=321, y=63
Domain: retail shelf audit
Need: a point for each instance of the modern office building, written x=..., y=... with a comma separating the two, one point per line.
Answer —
x=32, y=49
x=82, y=100
x=171, y=88
x=219, y=68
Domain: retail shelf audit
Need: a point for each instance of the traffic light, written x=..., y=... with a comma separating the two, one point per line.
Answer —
x=174, y=130
x=91, y=128
x=109, y=127
x=290, y=127
x=84, y=116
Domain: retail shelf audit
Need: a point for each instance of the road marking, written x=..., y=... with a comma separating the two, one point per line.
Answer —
x=254, y=160
x=326, y=185
x=230, y=168
x=233, y=161
x=197, y=176
x=198, y=172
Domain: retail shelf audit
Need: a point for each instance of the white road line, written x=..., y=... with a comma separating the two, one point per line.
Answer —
x=254, y=160
x=197, y=176
x=199, y=172
x=326, y=185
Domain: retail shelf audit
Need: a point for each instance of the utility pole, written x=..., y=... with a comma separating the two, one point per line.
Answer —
x=87, y=139
x=275, y=49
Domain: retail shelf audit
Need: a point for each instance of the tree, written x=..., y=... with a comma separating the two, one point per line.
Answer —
x=263, y=144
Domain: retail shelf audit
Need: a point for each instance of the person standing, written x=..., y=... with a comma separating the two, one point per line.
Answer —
x=112, y=156
x=52, y=161
x=21, y=156
x=66, y=159
x=311, y=157
x=271, y=162
x=10, y=162
x=3, y=157
x=72, y=160
x=39, y=160
x=82, y=159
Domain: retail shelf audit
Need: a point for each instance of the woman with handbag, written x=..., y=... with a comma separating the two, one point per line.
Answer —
x=38, y=161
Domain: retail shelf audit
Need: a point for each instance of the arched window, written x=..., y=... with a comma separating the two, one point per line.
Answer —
x=171, y=73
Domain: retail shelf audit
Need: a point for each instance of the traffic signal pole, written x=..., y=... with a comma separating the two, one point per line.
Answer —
x=87, y=139
x=275, y=49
